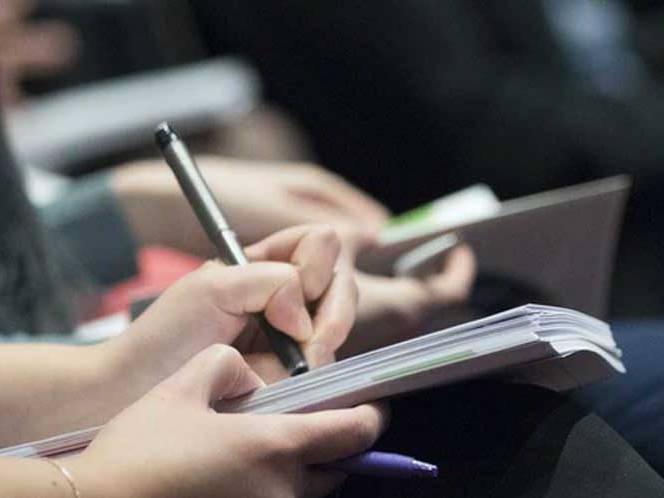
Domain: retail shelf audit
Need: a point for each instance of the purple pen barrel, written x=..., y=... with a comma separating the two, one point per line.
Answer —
x=378, y=464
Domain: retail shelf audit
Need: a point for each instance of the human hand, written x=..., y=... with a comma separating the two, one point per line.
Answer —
x=172, y=444
x=395, y=309
x=258, y=197
x=30, y=48
x=295, y=280
x=264, y=197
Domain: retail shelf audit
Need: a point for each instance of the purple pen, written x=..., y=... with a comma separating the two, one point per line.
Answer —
x=379, y=464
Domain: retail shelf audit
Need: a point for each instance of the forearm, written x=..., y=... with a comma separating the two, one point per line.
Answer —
x=156, y=210
x=47, y=390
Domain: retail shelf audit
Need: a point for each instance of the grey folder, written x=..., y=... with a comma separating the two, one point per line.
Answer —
x=561, y=242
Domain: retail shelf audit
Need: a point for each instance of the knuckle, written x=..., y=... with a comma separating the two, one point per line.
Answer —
x=327, y=234
x=211, y=275
x=291, y=274
x=459, y=294
x=223, y=353
x=211, y=266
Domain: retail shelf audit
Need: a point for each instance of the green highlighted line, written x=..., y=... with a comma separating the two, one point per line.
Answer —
x=424, y=366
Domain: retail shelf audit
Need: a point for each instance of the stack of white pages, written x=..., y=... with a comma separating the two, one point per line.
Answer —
x=553, y=347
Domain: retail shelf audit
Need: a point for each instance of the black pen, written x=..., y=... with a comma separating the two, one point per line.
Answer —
x=220, y=234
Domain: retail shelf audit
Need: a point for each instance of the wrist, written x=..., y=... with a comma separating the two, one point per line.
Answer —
x=126, y=377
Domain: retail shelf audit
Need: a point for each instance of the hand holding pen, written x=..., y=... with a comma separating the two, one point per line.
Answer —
x=334, y=293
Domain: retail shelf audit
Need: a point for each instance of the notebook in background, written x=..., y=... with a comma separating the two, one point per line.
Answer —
x=556, y=247
x=73, y=126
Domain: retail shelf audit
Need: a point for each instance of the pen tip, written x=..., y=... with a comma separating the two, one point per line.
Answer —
x=299, y=368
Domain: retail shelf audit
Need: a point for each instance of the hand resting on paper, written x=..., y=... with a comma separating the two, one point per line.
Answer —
x=205, y=453
x=392, y=310
x=170, y=443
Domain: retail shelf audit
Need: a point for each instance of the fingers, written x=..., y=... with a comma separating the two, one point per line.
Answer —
x=313, y=249
x=274, y=288
x=327, y=436
x=454, y=284
x=333, y=320
x=218, y=372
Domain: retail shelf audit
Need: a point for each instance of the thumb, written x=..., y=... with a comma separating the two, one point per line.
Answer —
x=218, y=372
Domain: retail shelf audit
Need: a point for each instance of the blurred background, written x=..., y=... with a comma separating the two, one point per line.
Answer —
x=524, y=95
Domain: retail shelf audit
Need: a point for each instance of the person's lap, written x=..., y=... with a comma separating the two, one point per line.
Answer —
x=633, y=404
x=493, y=440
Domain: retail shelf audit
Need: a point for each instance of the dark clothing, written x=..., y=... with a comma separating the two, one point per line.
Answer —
x=410, y=100
x=494, y=440
x=633, y=404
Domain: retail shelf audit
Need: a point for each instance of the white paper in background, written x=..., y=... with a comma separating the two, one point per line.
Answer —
x=82, y=123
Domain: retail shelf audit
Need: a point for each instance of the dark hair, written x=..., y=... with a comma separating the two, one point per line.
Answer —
x=30, y=300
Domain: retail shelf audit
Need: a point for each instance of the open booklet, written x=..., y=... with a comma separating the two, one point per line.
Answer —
x=556, y=247
x=553, y=347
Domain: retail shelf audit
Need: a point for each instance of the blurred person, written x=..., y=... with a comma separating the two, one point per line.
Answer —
x=410, y=100
x=30, y=49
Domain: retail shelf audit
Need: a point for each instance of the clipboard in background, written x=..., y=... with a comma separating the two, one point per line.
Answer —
x=559, y=245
